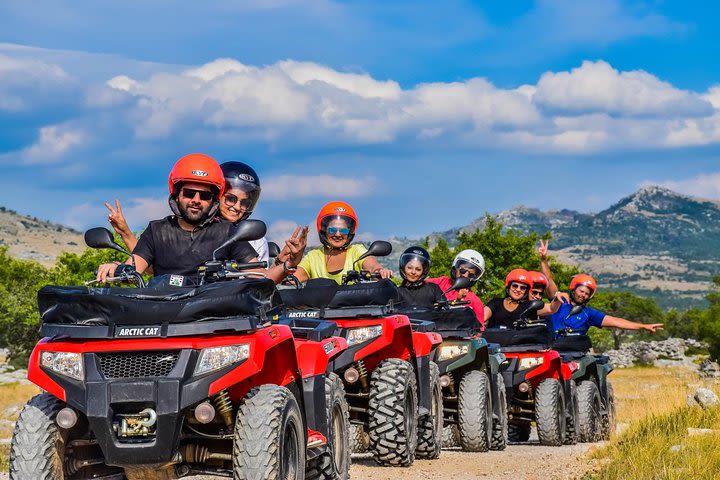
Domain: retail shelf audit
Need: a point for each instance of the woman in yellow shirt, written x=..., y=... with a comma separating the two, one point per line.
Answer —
x=337, y=224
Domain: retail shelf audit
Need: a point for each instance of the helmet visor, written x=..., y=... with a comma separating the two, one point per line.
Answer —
x=340, y=224
x=239, y=191
x=467, y=269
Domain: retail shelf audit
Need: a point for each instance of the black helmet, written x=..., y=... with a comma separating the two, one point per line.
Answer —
x=240, y=176
x=419, y=254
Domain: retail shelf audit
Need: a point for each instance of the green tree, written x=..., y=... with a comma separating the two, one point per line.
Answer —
x=19, y=319
x=709, y=326
x=503, y=250
x=631, y=307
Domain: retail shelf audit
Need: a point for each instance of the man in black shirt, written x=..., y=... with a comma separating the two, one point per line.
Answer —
x=181, y=243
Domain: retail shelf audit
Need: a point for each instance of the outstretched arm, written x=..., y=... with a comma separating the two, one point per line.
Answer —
x=615, y=322
x=558, y=299
x=545, y=268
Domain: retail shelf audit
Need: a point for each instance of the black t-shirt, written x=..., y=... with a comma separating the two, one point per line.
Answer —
x=424, y=295
x=171, y=250
x=501, y=317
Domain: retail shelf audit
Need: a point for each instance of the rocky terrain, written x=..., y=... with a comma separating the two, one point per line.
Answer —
x=30, y=238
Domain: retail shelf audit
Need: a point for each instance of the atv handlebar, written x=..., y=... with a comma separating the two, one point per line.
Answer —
x=360, y=276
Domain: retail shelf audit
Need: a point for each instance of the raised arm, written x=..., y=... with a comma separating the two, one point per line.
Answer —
x=117, y=220
x=615, y=322
x=545, y=268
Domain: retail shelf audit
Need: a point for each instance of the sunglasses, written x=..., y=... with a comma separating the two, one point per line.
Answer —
x=519, y=286
x=190, y=193
x=537, y=292
x=463, y=271
x=340, y=230
x=231, y=200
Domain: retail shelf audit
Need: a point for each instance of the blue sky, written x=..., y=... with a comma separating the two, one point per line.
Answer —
x=423, y=115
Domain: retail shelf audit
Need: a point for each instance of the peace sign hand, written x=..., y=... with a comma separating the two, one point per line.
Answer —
x=117, y=219
x=543, y=249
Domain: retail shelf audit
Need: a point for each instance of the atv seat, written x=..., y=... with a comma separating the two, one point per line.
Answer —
x=525, y=348
x=450, y=323
x=573, y=343
x=98, y=312
x=537, y=335
x=326, y=294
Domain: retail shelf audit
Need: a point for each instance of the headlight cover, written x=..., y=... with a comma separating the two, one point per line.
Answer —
x=452, y=350
x=215, y=358
x=362, y=334
x=68, y=364
x=530, y=362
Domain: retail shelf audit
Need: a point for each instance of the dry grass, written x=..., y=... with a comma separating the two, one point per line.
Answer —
x=652, y=404
x=12, y=398
x=642, y=391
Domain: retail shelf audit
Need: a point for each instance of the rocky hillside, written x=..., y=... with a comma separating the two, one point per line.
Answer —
x=655, y=242
x=34, y=239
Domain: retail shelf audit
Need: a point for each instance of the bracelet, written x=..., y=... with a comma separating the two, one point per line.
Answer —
x=287, y=269
x=277, y=261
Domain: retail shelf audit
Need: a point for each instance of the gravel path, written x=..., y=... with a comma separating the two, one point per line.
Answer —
x=527, y=461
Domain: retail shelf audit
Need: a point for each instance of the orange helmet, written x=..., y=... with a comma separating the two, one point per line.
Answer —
x=538, y=278
x=197, y=168
x=332, y=211
x=519, y=275
x=584, y=279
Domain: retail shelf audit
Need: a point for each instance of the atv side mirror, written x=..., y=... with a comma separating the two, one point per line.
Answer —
x=378, y=248
x=100, y=237
x=273, y=249
x=246, y=230
x=460, y=283
x=534, y=306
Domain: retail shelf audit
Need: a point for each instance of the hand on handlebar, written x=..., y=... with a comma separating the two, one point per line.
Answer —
x=384, y=273
x=106, y=270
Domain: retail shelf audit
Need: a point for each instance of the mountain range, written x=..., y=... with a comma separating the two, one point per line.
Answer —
x=655, y=242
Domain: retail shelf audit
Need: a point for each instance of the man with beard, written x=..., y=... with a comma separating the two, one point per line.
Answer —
x=180, y=243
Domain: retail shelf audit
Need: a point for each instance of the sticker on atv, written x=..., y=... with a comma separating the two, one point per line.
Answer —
x=177, y=280
x=304, y=314
x=132, y=332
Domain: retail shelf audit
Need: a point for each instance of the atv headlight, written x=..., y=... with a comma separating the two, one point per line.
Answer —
x=530, y=362
x=65, y=363
x=362, y=334
x=215, y=358
x=452, y=350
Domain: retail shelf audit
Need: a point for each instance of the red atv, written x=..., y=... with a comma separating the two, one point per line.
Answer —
x=164, y=382
x=392, y=387
x=538, y=385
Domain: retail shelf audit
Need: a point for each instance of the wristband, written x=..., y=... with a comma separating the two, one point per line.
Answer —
x=287, y=269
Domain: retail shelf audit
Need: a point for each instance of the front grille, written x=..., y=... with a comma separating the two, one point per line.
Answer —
x=137, y=365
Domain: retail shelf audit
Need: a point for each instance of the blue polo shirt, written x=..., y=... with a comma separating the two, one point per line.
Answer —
x=578, y=323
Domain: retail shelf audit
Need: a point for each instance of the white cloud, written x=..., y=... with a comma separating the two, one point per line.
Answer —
x=705, y=185
x=54, y=141
x=288, y=187
x=597, y=87
x=137, y=212
x=27, y=84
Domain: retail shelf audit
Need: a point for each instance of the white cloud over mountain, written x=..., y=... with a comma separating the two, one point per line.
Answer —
x=294, y=105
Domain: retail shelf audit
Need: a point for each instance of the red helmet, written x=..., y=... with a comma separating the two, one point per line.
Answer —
x=538, y=278
x=332, y=211
x=519, y=275
x=584, y=279
x=197, y=168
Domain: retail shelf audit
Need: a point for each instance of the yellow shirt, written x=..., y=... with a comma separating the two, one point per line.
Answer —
x=314, y=262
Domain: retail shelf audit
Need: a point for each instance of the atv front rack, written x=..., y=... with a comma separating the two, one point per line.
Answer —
x=369, y=311
x=164, y=330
